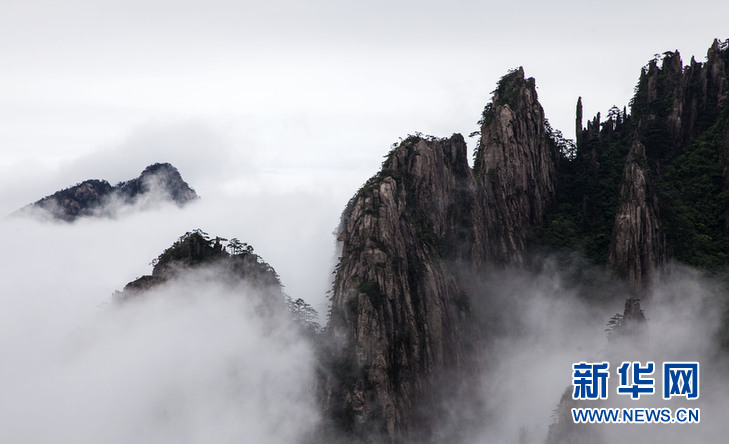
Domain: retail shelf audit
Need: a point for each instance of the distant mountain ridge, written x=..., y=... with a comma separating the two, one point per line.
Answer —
x=98, y=198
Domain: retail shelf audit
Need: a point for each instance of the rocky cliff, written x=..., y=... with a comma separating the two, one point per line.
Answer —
x=637, y=247
x=401, y=317
x=644, y=186
x=515, y=165
x=158, y=182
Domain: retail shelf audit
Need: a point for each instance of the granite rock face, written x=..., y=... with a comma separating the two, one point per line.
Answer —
x=637, y=248
x=515, y=164
x=398, y=312
x=401, y=317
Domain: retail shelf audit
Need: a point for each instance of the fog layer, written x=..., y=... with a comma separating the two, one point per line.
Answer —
x=193, y=361
x=543, y=322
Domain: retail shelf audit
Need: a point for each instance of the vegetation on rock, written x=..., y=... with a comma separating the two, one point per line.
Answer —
x=236, y=264
x=98, y=198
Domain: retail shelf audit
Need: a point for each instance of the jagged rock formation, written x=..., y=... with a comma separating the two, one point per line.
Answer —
x=686, y=97
x=398, y=312
x=676, y=110
x=637, y=247
x=668, y=159
x=515, y=165
x=650, y=186
x=160, y=181
x=401, y=318
x=637, y=190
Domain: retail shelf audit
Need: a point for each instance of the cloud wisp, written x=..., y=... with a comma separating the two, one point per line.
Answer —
x=541, y=324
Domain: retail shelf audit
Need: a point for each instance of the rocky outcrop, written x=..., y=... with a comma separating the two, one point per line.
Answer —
x=686, y=98
x=234, y=264
x=158, y=182
x=637, y=248
x=578, y=121
x=663, y=155
x=195, y=249
x=515, y=165
x=401, y=316
x=630, y=196
x=670, y=156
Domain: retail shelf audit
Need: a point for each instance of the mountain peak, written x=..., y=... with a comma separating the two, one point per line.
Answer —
x=515, y=165
x=401, y=306
x=161, y=178
x=159, y=182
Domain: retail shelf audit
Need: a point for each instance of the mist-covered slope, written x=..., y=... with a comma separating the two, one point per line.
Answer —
x=233, y=264
x=208, y=355
x=159, y=182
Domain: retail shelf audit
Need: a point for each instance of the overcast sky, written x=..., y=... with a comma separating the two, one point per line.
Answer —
x=259, y=101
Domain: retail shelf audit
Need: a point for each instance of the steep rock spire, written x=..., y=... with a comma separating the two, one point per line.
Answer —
x=637, y=247
x=578, y=121
x=515, y=165
x=398, y=312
